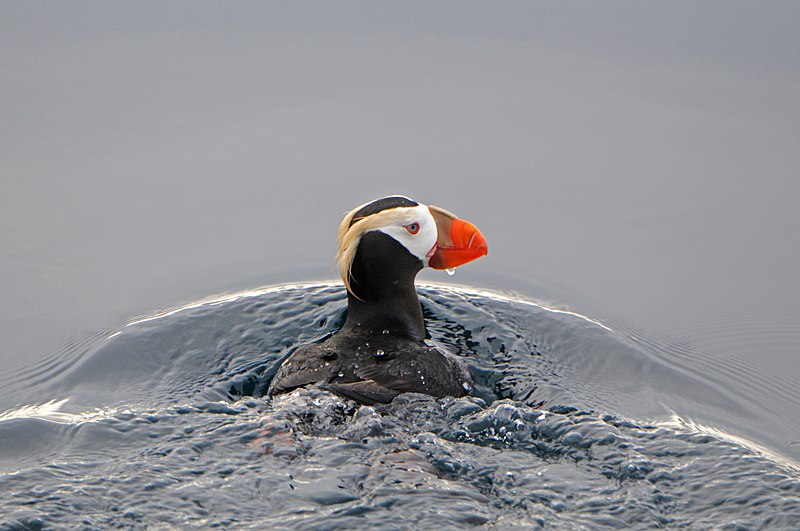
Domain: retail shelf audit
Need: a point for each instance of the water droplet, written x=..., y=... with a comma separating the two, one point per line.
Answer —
x=386, y=332
x=379, y=353
x=341, y=375
x=450, y=271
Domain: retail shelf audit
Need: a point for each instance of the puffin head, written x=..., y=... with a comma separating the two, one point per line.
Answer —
x=431, y=235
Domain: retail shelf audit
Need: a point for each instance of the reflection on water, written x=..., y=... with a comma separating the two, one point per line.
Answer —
x=165, y=422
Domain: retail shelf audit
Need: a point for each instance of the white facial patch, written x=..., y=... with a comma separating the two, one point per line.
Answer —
x=401, y=224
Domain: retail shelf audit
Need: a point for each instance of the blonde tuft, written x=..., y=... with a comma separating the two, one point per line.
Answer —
x=349, y=237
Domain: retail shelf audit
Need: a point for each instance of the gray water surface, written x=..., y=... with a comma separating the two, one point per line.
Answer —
x=165, y=422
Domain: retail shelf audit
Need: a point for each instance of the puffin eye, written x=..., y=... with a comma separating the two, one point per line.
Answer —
x=412, y=228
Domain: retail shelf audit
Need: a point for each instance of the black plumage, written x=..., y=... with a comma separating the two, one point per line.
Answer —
x=381, y=351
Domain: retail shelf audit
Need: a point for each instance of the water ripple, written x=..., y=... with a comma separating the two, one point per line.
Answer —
x=573, y=424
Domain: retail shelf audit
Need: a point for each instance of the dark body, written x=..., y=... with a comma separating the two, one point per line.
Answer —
x=381, y=350
x=371, y=367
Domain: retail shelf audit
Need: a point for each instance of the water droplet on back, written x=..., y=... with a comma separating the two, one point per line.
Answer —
x=379, y=353
x=450, y=271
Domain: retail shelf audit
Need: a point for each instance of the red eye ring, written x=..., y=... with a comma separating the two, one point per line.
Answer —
x=412, y=228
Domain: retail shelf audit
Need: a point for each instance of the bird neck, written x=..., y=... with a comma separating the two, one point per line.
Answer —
x=398, y=315
x=384, y=301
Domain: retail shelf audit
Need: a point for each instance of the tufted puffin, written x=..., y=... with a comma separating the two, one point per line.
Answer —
x=381, y=350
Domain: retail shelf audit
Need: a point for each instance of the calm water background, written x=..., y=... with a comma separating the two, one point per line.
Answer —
x=636, y=163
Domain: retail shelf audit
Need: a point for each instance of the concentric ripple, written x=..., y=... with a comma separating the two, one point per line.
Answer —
x=572, y=424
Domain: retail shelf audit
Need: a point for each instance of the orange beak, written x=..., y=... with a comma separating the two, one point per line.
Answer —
x=459, y=241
